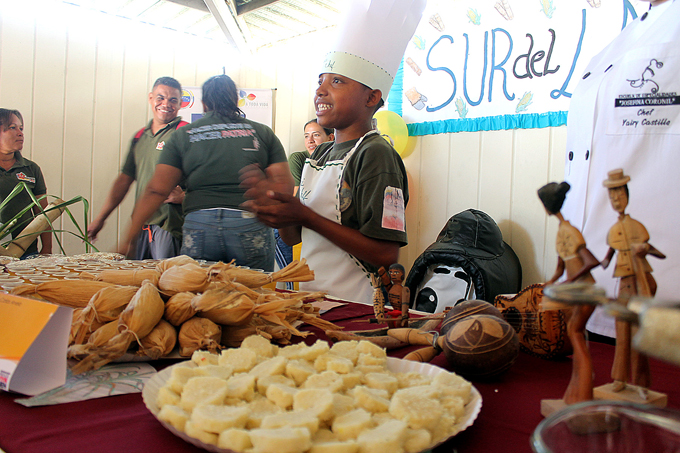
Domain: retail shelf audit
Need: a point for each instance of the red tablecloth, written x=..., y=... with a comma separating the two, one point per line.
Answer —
x=509, y=415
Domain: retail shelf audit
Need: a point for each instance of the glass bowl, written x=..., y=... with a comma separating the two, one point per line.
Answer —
x=608, y=427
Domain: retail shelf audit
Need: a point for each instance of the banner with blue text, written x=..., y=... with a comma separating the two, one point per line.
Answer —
x=501, y=64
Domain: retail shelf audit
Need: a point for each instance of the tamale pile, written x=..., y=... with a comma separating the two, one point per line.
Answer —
x=153, y=307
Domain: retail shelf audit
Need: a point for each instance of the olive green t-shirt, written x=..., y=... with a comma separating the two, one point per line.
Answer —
x=140, y=164
x=296, y=161
x=212, y=150
x=372, y=177
x=27, y=171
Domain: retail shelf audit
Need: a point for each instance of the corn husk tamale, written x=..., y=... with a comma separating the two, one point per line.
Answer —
x=297, y=271
x=280, y=319
x=175, y=261
x=227, y=272
x=143, y=312
x=186, y=277
x=160, y=341
x=178, y=308
x=199, y=334
x=273, y=306
x=316, y=321
x=229, y=308
x=74, y=328
x=39, y=224
x=75, y=324
x=106, y=305
x=135, y=322
x=70, y=293
x=98, y=339
x=233, y=336
x=129, y=277
x=240, y=288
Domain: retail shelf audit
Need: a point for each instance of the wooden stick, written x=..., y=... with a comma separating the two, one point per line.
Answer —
x=410, y=320
x=422, y=354
x=411, y=336
x=383, y=341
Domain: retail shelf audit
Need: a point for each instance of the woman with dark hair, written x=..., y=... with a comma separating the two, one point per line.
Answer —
x=314, y=136
x=14, y=168
x=207, y=156
x=577, y=260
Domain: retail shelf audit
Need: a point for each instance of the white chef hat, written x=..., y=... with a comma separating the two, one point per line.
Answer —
x=371, y=41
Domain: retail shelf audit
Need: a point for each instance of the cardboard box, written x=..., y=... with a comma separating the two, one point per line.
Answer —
x=33, y=343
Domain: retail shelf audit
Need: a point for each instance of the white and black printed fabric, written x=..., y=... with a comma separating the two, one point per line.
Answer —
x=469, y=260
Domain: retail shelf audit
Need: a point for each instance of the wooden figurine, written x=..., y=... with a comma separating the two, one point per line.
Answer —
x=574, y=258
x=398, y=296
x=388, y=284
x=629, y=239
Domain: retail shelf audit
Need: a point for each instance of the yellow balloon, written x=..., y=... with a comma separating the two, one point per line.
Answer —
x=393, y=129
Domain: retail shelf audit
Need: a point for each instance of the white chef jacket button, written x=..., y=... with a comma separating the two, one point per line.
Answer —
x=587, y=154
x=644, y=16
x=608, y=67
x=571, y=156
x=585, y=76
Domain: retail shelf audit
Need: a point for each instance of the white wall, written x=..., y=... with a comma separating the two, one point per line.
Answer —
x=81, y=80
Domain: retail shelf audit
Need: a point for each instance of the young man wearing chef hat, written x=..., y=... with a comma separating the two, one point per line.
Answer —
x=349, y=212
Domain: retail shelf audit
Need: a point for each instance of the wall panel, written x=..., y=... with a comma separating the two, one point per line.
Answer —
x=433, y=189
x=495, y=176
x=412, y=162
x=17, y=47
x=106, y=152
x=137, y=79
x=527, y=216
x=78, y=123
x=46, y=128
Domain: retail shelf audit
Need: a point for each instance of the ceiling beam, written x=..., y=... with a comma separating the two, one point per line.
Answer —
x=195, y=4
x=252, y=5
x=227, y=22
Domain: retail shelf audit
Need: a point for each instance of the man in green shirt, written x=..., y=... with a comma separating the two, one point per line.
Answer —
x=161, y=237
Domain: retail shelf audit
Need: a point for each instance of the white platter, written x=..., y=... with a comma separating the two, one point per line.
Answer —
x=150, y=394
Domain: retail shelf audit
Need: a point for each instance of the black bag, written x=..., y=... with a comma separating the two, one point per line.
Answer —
x=469, y=260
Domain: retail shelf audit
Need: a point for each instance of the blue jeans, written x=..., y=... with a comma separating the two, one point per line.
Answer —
x=155, y=243
x=223, y=235
x=284, y=255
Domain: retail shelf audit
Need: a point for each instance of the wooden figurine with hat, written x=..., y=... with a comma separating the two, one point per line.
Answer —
x=629, y=239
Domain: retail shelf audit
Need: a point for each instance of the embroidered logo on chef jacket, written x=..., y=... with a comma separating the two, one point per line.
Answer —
x=646, y=97
x=21, y=176
x=647, y=77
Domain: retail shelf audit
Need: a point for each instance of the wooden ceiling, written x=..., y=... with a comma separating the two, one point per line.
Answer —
x=247, y=24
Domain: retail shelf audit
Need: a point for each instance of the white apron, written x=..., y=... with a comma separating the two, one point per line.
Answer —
x=607, y=129
x=335, y=271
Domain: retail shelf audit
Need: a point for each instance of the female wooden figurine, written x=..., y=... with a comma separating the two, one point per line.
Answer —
x=630, y=239
x=577, y=260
